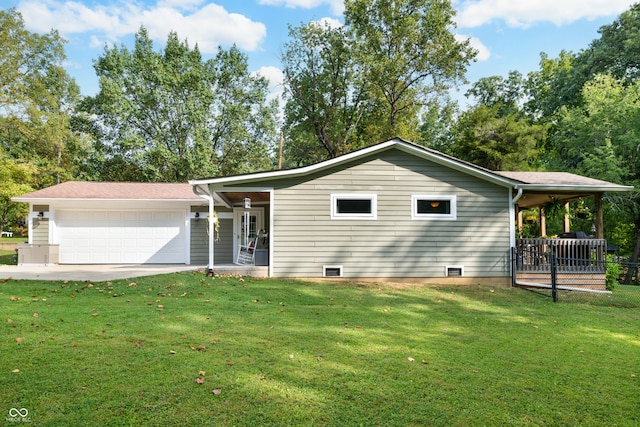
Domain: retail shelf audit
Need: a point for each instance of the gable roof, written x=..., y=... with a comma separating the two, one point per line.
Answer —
x=77, y=190
x=534, y=181
x=409, y=147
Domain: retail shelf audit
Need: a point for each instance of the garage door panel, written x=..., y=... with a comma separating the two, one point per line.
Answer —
x=121, y=237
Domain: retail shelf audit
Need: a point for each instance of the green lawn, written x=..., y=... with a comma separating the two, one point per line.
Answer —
x=185, y=349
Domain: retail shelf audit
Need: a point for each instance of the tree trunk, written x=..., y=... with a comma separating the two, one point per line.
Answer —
x=633, y=264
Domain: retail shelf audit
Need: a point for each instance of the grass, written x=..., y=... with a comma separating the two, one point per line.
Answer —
x=152, y=352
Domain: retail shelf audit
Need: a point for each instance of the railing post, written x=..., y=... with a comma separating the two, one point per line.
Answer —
x=514, y=254
x=554, y=270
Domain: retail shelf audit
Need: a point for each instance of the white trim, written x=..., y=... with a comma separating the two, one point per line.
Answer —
x=338, y=267
x=453, y=206
x=373, y=198
x=451, y=267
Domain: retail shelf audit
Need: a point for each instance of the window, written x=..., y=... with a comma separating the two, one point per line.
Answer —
x=441, y=207
x=354, y=206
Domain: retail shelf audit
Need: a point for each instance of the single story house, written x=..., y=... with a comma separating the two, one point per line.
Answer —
x=395, y=210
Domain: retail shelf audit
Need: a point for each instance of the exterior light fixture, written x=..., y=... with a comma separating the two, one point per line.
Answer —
x=40, y=214
x=197, y=214
x=435, y=204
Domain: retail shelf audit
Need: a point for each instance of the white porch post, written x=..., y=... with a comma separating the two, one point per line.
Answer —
x=212, y=230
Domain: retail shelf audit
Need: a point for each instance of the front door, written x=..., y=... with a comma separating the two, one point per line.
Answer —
x=247, y=223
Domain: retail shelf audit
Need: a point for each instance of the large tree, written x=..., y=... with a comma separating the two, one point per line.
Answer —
x=37, y=99
x=324, y=100
x=372, y=79
x=171, y=116
x=408, y=54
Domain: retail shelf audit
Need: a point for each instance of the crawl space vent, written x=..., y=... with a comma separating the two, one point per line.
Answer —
x=454, y=270
x=332, y=271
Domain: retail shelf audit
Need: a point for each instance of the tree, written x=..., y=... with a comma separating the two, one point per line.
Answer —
x=37, y=99
x=496, y=141
x=170, y=116
x=14, y=179
x=324, y=100
x=408, y=55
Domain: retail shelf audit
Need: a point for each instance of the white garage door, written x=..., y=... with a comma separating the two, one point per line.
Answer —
x=121, y=237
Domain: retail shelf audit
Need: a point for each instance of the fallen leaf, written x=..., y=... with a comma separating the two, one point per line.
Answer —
x=199, y=380
x=291, y=356
x=172, y=352
x=255, y=300
x=228, y=363
x=138, y=344
x=36, y=315
x=410, y=359
x=15, y=371
x=217, y=391
x=426, y=362
x=18, y=340
x=184, y=337
x=476, y=371
x=9, y=321
x=94, y=314
x=14, y=299
x=202, y=373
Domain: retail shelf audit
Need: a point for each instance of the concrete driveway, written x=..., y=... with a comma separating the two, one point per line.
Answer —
x=93, y=273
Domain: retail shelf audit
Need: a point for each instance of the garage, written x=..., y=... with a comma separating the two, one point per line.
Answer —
x=121, y=236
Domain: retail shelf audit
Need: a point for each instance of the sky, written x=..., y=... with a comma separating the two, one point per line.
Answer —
x=508, y=34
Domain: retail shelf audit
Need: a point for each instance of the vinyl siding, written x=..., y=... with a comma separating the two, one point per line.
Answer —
x=40, y=230
x=223, y=248
x=305, y=238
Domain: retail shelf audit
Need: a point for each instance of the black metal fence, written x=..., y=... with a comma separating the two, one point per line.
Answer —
x=605, y=281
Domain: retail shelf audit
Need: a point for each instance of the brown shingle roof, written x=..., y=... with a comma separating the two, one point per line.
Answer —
x=552, y=178
x=115, y=191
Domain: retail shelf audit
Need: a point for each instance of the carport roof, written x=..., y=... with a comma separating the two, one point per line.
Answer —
x=77, y=190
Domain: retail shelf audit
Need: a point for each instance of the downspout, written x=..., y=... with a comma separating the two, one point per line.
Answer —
x=512, y=233
x=211, y=224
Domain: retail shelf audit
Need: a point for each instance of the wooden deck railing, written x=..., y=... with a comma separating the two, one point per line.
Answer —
x=572, y=255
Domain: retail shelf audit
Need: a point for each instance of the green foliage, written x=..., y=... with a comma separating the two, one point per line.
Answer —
x=491, y=140
x=324, y=102
x=372, y=79
x=170, y=116
x=613, y=273
x=36, y=103
x=14, y=179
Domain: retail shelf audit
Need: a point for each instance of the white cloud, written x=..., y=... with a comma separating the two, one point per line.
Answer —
x=208, y=26
x=276, y=81
x=524, y=13
x=337, y=6
x=330, y=22
x=483, y=51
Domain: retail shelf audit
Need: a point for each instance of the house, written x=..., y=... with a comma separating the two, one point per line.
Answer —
x=391, y=211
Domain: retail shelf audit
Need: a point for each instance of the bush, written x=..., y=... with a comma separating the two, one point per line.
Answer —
x=613, y=273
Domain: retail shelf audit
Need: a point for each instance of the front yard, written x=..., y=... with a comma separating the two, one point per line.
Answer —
x=185, y=349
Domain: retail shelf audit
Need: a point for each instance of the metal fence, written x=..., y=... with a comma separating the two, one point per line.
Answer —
x=605, y=281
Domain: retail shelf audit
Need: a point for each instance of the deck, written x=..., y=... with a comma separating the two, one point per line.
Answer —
x=580, y=263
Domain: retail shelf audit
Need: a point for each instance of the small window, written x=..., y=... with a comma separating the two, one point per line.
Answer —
x=433, y=207
x=353, y=206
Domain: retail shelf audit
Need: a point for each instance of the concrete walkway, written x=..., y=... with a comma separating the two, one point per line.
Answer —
x=93, y=273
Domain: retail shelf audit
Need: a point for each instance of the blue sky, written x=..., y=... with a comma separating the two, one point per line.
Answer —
x=509, y=34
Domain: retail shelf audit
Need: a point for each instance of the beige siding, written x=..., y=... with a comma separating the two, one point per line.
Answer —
x=305, y=237
x=40, y=230
x=223, y=247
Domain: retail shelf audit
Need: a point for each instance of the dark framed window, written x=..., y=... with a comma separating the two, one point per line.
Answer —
x=425, y=206
x=353, y=206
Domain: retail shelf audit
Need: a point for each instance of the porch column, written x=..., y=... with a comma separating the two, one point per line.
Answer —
x=567, y=222
x=598, y=219
x=212, y=229
x=519, y=220
x=543, y=223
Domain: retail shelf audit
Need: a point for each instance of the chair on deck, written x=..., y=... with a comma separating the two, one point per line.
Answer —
x=246, y=254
